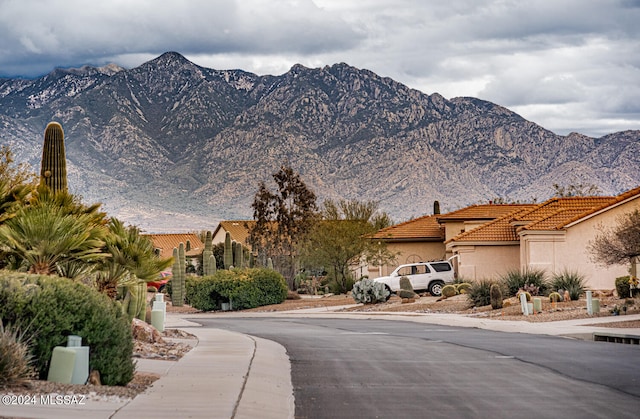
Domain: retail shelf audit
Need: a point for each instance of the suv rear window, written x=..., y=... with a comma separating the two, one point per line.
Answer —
x=441, y=267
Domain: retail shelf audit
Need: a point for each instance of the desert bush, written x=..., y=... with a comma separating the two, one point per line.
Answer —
x=529, y=280
x=293, y=295
x=449, y=291
x=495, y=295
x=368, y=291
x=245, y=288
x=58, y=307
x=571, y=281
x=479, y=294
x=623, y=288
x=15, y=359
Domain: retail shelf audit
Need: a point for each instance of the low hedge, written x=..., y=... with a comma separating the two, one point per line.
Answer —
x=245, y=288
x=52, y=308
x=623, y=288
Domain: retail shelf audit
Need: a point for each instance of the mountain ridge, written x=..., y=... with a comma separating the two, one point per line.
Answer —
x=170, y=143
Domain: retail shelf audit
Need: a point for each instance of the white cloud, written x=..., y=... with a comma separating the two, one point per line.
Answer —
x=555, y=62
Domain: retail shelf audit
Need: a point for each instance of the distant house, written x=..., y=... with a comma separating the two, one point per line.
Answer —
x=237, y=229
x=423, y=239
x=552, y=236
x=165, y=243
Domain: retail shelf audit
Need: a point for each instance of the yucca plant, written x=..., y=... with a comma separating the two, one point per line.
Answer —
x=569, y=280
x=529, y=279
x=479, y=294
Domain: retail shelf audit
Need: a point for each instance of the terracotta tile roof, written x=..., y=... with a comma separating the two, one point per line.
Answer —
x=498, y=230
x=167, y=242
x=556, y=220
x=482, y=212
x=423, y=228
x=238, y=229
x=553, y=205
x=553, y=214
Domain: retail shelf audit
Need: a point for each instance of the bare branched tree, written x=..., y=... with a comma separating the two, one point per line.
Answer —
x=620, y=244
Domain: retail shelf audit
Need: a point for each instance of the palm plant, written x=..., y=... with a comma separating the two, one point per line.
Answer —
x=45, y=235
x=132, y=259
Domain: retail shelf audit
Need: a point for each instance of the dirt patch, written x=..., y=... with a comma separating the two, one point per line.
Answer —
x=460, y=305
x=306, y=302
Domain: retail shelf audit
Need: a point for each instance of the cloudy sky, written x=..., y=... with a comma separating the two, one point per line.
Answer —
x=568, y=65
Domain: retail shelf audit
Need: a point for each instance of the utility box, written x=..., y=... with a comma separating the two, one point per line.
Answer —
x=157, y=319
x=81, y=365
x=62, y=365
x=70, y=364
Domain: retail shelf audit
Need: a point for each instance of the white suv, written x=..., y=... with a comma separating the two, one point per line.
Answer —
x=430, y=276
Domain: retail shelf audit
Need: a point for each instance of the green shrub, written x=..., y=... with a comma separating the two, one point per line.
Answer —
x=622, y=286
x=245, y=288
x=449, y=291
x=529, y=280
x=58, y=307
x=571, y=281
x=15, y=360
x=479, y=293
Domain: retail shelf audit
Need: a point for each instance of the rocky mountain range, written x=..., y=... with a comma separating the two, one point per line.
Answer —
x=172, y=146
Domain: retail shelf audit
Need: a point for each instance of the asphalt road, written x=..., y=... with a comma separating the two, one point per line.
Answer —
x=344, y=368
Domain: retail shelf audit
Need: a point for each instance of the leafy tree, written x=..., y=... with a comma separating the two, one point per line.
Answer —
x=16, y=183
x=283, y=220
x=620, y=244
x=339, y=239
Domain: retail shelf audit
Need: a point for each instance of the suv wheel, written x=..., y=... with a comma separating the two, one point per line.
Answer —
x=435, y=288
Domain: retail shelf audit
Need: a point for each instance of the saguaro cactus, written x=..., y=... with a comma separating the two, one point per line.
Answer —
x=206, y=255
x=228, y=251
x=239, y=256
x=53, y=168
x=179, y=276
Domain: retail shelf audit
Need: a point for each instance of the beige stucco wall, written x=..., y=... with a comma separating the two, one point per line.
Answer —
x=569, y=249
x=408, y=252
x=486, y=262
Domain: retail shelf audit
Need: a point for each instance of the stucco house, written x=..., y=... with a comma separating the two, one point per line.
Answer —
x=238, y=230
x=165, y=243
x=423, y=238
x=553, y=236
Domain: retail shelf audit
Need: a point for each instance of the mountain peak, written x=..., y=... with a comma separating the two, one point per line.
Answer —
x=170, y=60
x=172, y=139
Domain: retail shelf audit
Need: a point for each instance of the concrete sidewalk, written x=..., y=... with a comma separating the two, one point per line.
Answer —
x=231, y=375
x=226, y=375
